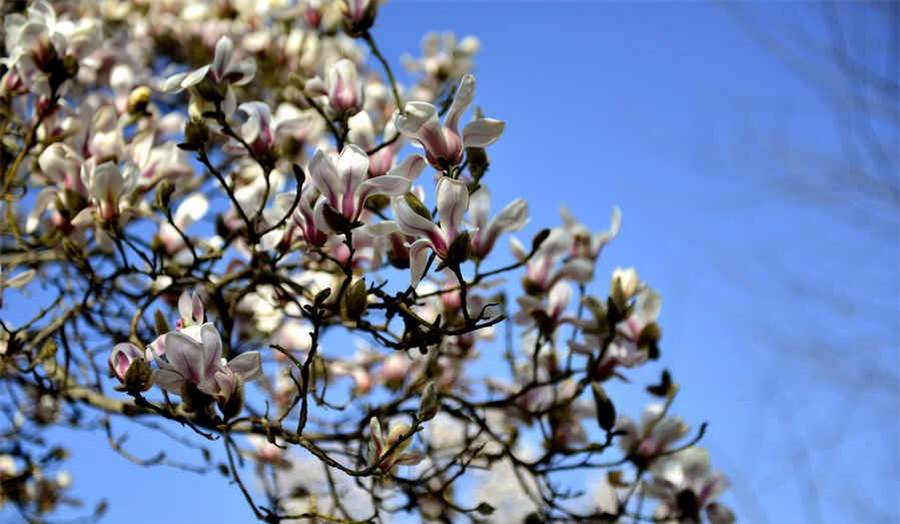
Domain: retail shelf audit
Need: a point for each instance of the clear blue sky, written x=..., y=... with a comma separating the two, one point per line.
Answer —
x=647, y=106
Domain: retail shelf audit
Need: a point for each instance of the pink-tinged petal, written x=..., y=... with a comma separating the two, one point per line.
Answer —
x=247, y=365
x=420, y=121
x=212, y=350
x=185, y=309
x=169, y=380
x=482, y=132
x=121, y=357
x=185, y=356
x=418, y=258
x=222, y=58
x=353, y=164
x=156, y=349
x=106, y=183
x=59, y=162
x=461, y=101
x=324, y=175
x=452, y=202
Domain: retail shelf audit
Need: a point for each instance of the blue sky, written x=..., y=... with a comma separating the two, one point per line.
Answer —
x=659, y=108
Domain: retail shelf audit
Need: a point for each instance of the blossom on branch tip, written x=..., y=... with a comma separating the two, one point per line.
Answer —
x=415, y=220
x=345, y=189
x=443, y=144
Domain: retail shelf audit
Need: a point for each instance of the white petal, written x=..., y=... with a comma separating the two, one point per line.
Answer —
x=463, y=99
x=452, y=202
x=418, y=258
x=482, y=132
x=247, y=365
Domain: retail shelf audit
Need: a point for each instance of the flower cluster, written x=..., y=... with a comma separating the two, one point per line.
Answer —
x=255, y=172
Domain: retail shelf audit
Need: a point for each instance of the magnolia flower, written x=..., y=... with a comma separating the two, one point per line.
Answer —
x=585, y=244
x=191, y=313
x=655, y=434
x=362, y=133
x=344, y=88
x=224, y=72
x=686, y=487
x=108, y=186
x=121, y=357
x=37, y=42
x=342, y=182
x=485, y=232
x=542, y=272
x=547, y=316
x=199, y=363
x=443, y=144
x=380, y=445
x=416, y=221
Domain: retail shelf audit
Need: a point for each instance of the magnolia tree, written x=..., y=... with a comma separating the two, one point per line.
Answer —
x=205, y=204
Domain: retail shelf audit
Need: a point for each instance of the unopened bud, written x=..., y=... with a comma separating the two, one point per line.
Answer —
x=357, y=299
x=139, y=376
x=428, y=406
x=164, y=194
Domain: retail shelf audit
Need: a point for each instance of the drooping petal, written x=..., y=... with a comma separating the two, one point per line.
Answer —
x=388, y=185
x=418, y=259
x=482, y=132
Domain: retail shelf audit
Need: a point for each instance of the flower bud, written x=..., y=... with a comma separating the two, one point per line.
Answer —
x=345, y=90
x=196, y=134
x=606, y=411
x=357, y=299
x=164, y=194
x=359, y=15
x=428, y=406
x=139, y=376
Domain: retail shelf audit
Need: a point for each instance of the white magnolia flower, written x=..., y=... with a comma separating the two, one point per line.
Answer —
x=442, y=142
